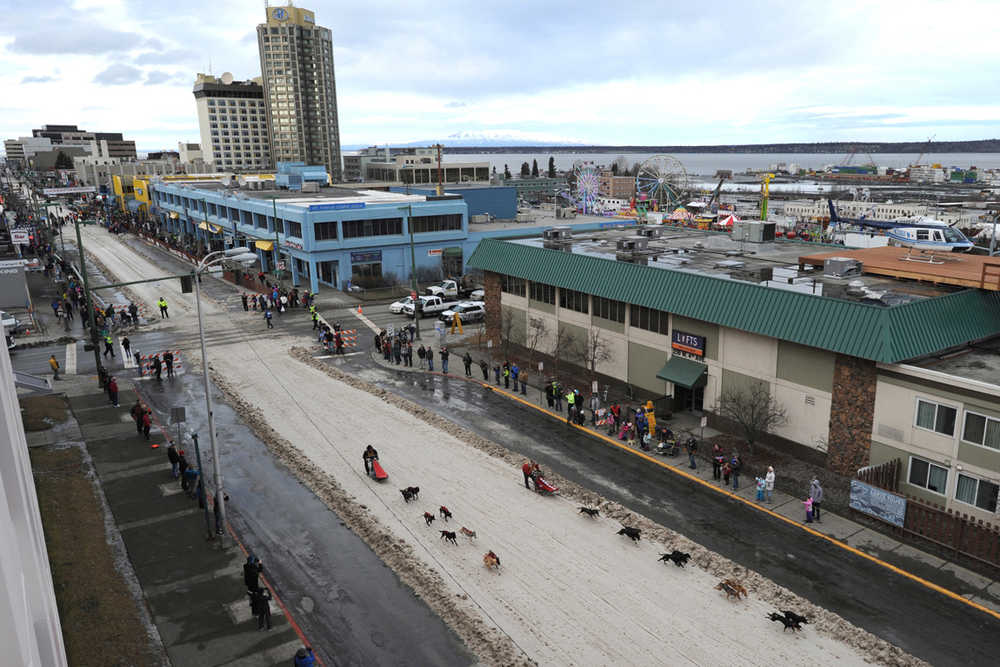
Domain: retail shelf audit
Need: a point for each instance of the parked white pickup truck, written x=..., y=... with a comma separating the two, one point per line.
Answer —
x=429, y=306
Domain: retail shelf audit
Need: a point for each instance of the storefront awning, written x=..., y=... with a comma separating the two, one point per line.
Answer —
x=264, y=245
x=134, y=204
x=215, y=229
x=684, y=372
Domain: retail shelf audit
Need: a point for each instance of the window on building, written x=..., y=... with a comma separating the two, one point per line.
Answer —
x=573, y=300
x=512, y=285
x=544, y=293
x=935, y=417
x=294, y=228
x=325, y=230
x=977, y=492
x=436, y=223
x=927, y=475
x=981, y=430
x=650, y=319
x=609, y=309
x=377, y=227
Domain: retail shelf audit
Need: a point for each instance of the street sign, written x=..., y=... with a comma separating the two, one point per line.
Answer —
x=19, y=237
x=704, y=422
x=69, y=191
x=434, y=252
x=177, y=415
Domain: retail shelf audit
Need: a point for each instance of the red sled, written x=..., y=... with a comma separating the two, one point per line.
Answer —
x=543, y=487
x=377, y=473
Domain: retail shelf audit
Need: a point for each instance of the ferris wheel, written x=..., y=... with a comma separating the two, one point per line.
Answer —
x=662, y=182
x=586, y=185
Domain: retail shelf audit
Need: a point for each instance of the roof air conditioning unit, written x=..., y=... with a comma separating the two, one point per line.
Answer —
x=841, y=267
x=649, y=231
x=558, y=236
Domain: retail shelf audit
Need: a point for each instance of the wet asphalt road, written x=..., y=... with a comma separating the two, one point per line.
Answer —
x=351, y=606
x=306, y=565
x=922, y=622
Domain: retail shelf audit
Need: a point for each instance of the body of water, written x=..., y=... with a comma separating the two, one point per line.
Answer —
x=709, y=163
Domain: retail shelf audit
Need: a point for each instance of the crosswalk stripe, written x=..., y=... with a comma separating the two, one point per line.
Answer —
x=239, y=611
x=71, y=358
x=272, y=656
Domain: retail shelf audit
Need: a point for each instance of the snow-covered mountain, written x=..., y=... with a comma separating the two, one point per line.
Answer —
x=488, y=138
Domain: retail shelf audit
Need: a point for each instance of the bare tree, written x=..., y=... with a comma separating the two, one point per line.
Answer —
x=538, y=329
x=566, y=348
x=754, y=409
x=595, y=350
x=506, y=330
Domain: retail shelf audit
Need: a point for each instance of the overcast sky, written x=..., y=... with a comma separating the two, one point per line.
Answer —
x=730, y=71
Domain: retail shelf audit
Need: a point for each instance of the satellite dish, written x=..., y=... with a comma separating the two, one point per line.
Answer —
x=226, y=78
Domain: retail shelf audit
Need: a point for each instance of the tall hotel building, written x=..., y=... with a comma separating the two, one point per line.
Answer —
x=233, y=123
x=296, y=60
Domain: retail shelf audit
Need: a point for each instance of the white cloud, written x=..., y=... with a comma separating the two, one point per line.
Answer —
x=734, y=72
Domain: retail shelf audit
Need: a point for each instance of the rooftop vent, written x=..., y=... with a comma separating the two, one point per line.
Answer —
x=557, y=237
x=632, y=248
x=841, y=267
x=649, y=231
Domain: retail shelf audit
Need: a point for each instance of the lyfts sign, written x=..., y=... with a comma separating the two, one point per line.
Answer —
x=689, y=343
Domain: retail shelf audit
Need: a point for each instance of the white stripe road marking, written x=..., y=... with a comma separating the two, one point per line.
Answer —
x=239, y=611
x=70, y=359
x=128, y=361
x=171, y=488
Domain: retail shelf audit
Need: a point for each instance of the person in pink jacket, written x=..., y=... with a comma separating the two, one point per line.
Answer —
x=808, y=502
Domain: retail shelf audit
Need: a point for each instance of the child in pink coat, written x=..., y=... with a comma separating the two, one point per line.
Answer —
x=808, y=502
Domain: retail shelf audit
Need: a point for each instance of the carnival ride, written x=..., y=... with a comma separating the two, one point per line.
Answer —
x=661, y=184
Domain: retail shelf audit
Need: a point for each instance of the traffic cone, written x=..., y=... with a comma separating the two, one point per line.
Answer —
x=359, y=309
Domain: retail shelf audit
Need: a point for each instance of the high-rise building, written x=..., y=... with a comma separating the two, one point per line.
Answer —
x=296, y=60
x=98, y=144
x=233, y=122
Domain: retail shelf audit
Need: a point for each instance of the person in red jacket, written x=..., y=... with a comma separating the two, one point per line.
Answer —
x=147, y=421
x=526, y=469
x=113, y=391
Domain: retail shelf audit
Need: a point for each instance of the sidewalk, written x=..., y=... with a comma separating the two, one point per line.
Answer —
x=194, y=590
x=976, y=588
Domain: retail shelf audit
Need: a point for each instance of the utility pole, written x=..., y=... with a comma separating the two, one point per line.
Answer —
x=440, y=184
x=274, y=218
x=90, y=299
x=413, y=271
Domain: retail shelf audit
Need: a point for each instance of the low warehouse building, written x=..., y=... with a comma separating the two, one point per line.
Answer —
x=696, y=316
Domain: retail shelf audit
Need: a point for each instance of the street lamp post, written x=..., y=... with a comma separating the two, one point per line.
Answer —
x=242, y=255
x=274, y=221
x=413, y=269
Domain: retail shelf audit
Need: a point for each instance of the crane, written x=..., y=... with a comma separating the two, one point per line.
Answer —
x=765, y=189
x=925, y=150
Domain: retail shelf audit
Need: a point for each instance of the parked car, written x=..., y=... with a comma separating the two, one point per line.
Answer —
x=428, y=305
x=469, y=311
x=398, y=306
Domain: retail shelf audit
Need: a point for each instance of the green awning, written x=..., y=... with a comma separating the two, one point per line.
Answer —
x=684, y=372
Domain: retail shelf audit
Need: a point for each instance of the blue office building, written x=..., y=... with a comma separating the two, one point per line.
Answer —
x=497, y=201
x=340, y=234
x=329, y=237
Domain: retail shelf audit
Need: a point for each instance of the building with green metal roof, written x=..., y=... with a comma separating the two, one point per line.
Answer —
x=685, y=318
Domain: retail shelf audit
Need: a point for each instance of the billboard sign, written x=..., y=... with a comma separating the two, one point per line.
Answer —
x=879, y=503
x=19, y=237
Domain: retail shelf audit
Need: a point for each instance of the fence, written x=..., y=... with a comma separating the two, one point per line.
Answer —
x=961, y=533
x=884, y=476
x=147, y=363
x=964, y=534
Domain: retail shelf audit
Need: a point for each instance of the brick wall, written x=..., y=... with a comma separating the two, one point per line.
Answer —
x=852, y=412
x=491, y=289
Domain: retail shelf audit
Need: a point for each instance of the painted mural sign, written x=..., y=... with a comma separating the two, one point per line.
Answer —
x=878, y=503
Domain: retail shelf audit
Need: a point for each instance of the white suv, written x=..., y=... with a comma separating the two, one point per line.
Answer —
x=469, y=311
